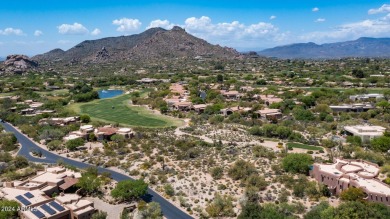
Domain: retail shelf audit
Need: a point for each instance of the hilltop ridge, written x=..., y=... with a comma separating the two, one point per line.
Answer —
x=154, y=43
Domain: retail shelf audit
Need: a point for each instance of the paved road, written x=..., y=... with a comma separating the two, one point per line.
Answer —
x=169, y=210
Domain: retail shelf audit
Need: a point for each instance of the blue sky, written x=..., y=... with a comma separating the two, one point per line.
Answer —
x=33, y=27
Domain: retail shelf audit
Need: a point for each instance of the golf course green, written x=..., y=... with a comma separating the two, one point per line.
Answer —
x=119, y=110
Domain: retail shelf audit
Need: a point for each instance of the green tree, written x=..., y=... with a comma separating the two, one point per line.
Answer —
x=354, y=140
x=358, y=73
x=85, y=118
x=20, y=162
x=352, y=210
x=169, y=190
x=299, y=190
x=252, y=194
x=213, y=109
x=261, y=82
x=164, y=109
x=51, y=134
x=256, y=181
x=241, y=170
x=219, y=78
x=251, y=210
x=381, y=143
x=352, y=194
x=216, y=172
x=384, y=104
x=128, y=190
x=99, y=215
x=54, y=145
x=89, y=181
x=151, y=211
x=316, y=211
x=302, y=114
x=8, y=141
x=74, y=143
x=297, y=163
x=222, y=206
x=283, y=132
x=308, y=101
x=8, y=209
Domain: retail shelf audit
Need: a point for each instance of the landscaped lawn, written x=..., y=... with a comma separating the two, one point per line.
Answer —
x=119, y=110
x=54, y=92
x=304, y=146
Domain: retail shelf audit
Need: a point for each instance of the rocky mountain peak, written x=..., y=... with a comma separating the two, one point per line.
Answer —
x=177, y=28
x=102, y=54
x=18, y=64
x=152, y=44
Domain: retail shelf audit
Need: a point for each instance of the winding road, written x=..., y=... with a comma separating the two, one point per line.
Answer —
x=169, y=210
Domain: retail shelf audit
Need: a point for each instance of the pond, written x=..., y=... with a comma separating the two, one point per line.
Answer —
x=103, y=94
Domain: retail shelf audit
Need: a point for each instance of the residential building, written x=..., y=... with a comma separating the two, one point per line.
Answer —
x=231, y=110
x=60, y=121
x=246, y=88
x=366, y=97
x=28, y=111
x=152, y=80
x=174, y=99
x=231, y=95
x=199, y=108
x=270, y=99
x=126, y=132
x=177, y=88
x=365, y=132
x=363, y=107
x=36, y=194
x=182, y=106
x=101, y=133
x=105, y=133
x=344, y=174
x=83, y=132
x=269, y=114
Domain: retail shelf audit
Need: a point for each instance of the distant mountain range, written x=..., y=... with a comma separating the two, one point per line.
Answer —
x=362, y=47
x=2, y=59
x=154, y=43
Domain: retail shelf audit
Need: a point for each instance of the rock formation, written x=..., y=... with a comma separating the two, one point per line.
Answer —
x=18, y=64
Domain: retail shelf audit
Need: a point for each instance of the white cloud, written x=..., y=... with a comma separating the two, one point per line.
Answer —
x=383, y=9
x=72, y=29
x=366, y=28
x=126, y=24
x=38, y=33
x=11, y=31
x=95, y=32
x=202, y=24
x=315, y=9
x=233, y=33
x=260, y=29
x=320, y=20
x=272, y=17
x=160, y=23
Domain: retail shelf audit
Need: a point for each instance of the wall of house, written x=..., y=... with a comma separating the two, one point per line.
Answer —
x=336, y=186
